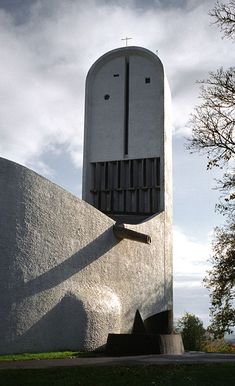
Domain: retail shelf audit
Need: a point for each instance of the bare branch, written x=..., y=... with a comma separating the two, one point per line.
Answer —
x=213, y=121
x=224, y=16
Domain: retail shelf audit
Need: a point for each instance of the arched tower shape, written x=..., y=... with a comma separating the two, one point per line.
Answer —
x=127, y=144
x=67, y=280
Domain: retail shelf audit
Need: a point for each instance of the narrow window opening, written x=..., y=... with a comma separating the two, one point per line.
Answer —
x=147, y=80
x=106, y=97
x=115, y=75
x=126, y=107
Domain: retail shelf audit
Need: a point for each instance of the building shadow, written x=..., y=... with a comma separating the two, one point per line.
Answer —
x=63, y=271
x=61, y=328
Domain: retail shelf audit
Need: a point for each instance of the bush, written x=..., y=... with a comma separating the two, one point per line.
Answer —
x=218, y=346
x=192, y=331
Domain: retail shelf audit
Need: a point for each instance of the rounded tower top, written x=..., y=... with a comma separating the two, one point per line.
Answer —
x=123, y=51
x=125, y=132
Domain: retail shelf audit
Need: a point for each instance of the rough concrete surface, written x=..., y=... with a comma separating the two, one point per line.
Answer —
x=66, y=281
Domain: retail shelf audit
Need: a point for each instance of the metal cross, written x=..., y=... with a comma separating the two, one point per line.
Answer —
x=126, y=39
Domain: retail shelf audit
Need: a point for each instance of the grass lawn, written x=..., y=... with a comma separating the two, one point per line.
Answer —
x=167, y=375
x=47, y=355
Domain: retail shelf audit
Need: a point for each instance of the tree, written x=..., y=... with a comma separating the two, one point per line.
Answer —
x=192, y=331
x=221, y=281
x=224, y=16
x=226, y=204
x=213, y=121
x=213, y=133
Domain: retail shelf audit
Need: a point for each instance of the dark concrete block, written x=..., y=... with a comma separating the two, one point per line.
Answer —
x=138, y=325
x=161, y=323
x=132, y=344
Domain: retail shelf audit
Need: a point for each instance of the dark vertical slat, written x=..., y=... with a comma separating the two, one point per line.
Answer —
x=98, y=174
x=102, y=201
x=121, y=201
x=135, y=173
x=145, y=201
x=108, y=201
x=148, y=204
x=149, y=172
x=106, y=175
x=115, y=201
x=95, y=199
x=133, y=202
x=144, y=172
x=137, y=200
x=93, y=176
x=126, y=106
x=111, y=175
x=151, y=199
x=141, y=201
x=155, y=200
x=111, y=201
x=141, y=174
x=124, y=200
x=158, y=171
x=155, y=171
x=128, y=201
x=102, y=176
x=131, y=174
x=122, y=175
x=118, y=174
x=99, y=199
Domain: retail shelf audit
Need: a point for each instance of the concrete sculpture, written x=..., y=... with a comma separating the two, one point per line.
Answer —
x=74, y=271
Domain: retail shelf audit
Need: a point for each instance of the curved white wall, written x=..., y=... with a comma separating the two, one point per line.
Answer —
x=65, y=280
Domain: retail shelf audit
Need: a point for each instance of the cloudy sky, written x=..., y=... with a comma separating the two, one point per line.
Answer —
x=47, y=48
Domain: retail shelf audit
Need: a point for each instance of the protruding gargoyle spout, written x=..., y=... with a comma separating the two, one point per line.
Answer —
x=121, y=232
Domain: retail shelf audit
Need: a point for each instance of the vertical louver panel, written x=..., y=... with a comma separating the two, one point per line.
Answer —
x=126, y=186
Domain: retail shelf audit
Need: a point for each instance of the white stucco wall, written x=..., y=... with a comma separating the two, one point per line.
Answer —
x=65, y=280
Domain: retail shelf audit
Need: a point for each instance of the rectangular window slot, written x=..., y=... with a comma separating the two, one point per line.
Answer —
x=115, y=75
x=147, y=80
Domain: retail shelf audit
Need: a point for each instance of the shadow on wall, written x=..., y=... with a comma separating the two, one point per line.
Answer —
x=16, y=292
x=55, y=276
x=156, y=296
x=62, y=328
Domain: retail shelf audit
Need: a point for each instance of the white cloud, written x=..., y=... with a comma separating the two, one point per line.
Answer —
x=190, y=266
x=44, y=61
x=190, y=255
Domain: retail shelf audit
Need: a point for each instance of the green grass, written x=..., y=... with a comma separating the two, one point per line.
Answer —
x=46, y=355
x=168, y=375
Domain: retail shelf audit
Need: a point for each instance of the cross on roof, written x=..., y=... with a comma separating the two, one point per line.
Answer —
x=126, y=39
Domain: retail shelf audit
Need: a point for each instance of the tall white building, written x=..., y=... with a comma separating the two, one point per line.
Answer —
x=127, y=148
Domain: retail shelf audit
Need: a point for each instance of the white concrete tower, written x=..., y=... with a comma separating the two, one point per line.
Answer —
x=127, y=144
x=67, y=280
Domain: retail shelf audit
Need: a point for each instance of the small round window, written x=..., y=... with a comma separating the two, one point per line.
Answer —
x=106, y=97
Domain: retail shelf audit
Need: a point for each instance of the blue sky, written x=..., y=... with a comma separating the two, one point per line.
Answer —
x=47, y=48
